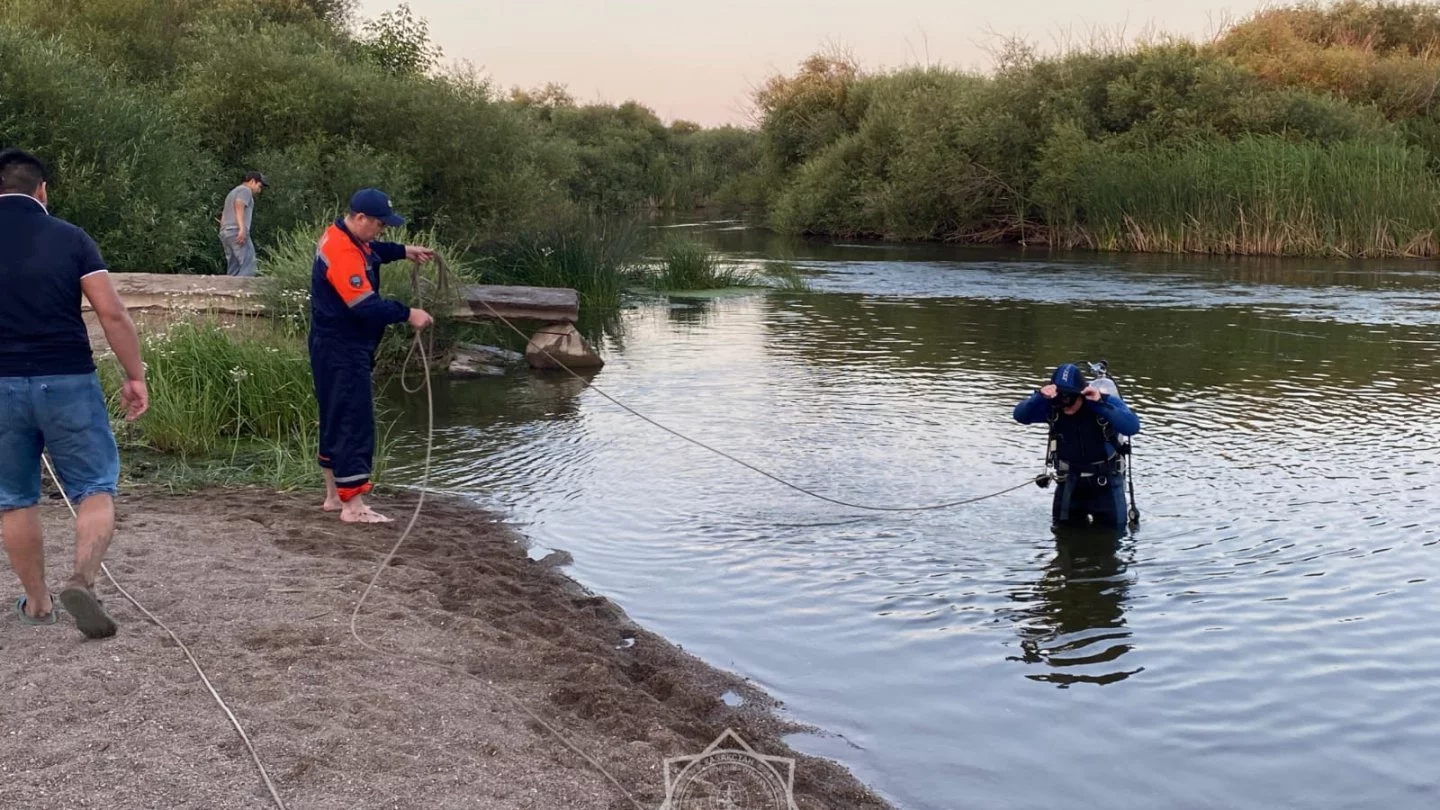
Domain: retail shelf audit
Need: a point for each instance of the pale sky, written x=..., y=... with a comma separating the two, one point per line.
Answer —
x=698, y=61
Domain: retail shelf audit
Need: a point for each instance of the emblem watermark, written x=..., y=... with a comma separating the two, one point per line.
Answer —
x=729, y=775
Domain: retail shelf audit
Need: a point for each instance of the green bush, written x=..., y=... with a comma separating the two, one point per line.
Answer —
x=312, y=183
x=126, y=166
x=1126, y=147
x=690, y=265
x=715, y=168
x=590, y=253
x=153, y=109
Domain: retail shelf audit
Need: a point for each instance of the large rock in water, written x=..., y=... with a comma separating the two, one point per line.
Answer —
x=563, y=343
x=471, y=360
x=493, y=355
x=467, y=368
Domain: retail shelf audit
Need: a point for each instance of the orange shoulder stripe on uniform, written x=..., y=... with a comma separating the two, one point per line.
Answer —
x=344, y=266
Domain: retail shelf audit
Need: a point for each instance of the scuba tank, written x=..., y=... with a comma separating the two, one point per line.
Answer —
x=1100, y=370
x=1102, y=383
x=1105, y=385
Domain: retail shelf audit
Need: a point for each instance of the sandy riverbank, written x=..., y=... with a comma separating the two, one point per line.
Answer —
x=261, y=587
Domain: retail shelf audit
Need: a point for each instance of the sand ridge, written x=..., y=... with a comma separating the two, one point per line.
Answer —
x=261, y=587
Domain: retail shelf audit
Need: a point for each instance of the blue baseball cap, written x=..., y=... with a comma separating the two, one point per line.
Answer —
x=372, y=202
x=1069, y=380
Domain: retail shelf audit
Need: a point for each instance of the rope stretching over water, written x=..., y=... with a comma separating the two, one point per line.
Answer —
x=418, y=347
x=444, y=271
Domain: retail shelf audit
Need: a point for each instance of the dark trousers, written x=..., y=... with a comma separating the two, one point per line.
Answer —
x=1079, y=501
x=347, y=412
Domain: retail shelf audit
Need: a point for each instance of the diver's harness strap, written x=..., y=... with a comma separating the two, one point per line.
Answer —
x=1069, y=475
x=1113, y=465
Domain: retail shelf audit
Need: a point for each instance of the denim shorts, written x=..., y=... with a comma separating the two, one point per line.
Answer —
x=66, y=416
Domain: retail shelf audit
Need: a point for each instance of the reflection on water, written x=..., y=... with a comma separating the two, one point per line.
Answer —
x=1073, y=619
x=1265, y=640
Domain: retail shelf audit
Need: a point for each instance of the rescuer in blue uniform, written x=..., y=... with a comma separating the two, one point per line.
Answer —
x=1086, y=426
x=348, y=319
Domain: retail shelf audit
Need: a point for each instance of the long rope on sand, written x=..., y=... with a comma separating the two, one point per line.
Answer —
x=419, y=347
x=245, y=738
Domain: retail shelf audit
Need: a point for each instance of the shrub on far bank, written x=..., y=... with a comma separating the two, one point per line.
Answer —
x=125, y=164
x=590, y=253
x=689, y=265
x=1307, y=130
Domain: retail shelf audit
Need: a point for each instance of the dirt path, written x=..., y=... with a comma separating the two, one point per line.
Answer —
x=261, y=587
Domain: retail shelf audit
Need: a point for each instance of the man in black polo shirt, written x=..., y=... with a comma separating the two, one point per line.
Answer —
x=50, y=397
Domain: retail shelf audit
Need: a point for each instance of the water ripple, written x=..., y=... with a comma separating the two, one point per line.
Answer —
x=1265, y=639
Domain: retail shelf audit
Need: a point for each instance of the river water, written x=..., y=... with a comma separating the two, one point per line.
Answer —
x=1267, y=638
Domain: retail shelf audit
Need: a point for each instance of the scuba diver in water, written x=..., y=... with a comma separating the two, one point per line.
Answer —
x=1090, y=428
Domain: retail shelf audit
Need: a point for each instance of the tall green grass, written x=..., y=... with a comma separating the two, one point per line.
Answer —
x=209, y=388
x=786, y=277
x=592, y=254
x=689, y=265
x=1259, y=196
x=235, y=401
x=221, y=399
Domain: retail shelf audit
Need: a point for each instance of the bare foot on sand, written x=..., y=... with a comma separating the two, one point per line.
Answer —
x=361, y=513
x=332, y=494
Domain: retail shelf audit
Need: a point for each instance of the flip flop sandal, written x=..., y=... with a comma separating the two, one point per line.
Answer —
x=38, y=621
x=89, y=612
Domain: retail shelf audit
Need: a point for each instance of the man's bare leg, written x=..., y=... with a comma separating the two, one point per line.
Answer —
x=25, y=544
x=94, y=528
x=332, y=494
x=356, y=510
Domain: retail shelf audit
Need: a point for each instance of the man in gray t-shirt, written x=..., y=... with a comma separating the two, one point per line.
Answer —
x=235, y=225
